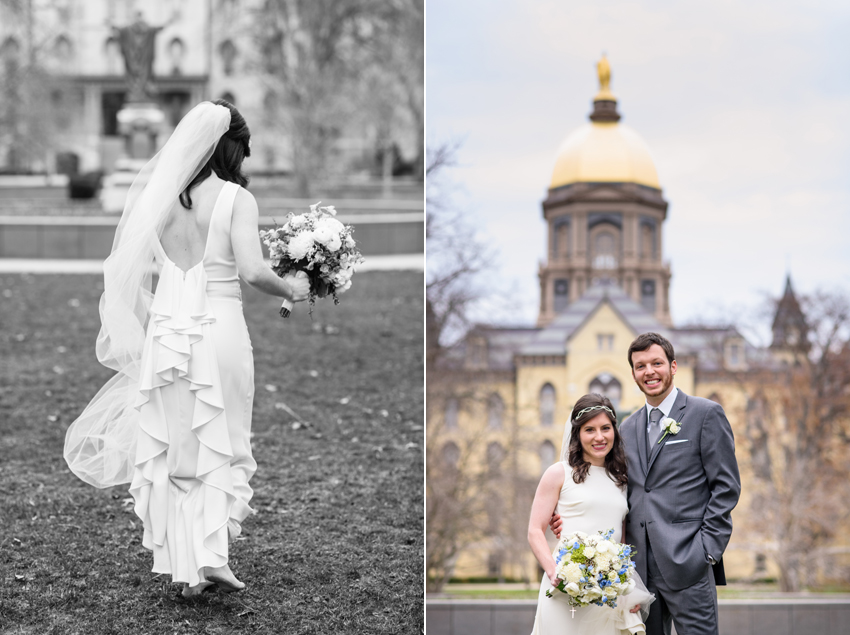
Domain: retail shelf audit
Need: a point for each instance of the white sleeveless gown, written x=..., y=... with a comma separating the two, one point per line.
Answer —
x=597, y=504
x=196, y=392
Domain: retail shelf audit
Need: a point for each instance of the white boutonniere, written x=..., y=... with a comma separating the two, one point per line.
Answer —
x=670, y=426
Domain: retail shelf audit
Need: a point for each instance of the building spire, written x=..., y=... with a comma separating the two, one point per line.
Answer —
x=604, y=104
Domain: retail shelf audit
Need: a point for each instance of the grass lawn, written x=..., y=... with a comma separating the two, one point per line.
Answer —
x=336, y=545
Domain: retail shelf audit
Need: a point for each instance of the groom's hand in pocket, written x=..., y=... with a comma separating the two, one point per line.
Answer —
x=555, y=524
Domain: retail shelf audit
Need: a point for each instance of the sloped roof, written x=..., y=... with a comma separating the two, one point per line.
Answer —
x=552, y=339
x=503, y=342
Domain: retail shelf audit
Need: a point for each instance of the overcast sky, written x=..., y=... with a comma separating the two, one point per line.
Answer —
x=745, y=107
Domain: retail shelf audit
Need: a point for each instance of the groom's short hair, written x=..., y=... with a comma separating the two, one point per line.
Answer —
x=645, y=340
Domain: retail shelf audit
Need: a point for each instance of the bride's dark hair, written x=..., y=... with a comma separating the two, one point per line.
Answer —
x=615, y=460
x=226, y=159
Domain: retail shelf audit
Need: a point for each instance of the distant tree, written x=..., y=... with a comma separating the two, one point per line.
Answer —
x=456, y=467
x=26, y=113
x=456, y=257
x=337, y=64
x=797, y=432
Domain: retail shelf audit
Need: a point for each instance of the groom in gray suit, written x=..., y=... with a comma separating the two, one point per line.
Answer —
x=683, y=485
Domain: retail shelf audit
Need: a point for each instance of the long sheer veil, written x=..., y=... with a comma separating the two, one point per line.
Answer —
x=565, y=439
x=100, y=444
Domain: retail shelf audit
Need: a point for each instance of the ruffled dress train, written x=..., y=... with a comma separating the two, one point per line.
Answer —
x=193, y=454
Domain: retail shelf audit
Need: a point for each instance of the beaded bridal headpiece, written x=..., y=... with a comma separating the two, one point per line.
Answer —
x=591, y=408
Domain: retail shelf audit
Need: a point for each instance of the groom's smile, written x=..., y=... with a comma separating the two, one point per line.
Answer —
x=653, y=373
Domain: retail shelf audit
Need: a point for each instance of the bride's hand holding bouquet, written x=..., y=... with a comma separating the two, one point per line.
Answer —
x=319, y=246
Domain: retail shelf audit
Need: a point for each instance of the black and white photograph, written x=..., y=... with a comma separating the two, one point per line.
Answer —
x=212, y=235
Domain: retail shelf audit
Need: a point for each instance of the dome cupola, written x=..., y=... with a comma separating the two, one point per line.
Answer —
x=604, y=150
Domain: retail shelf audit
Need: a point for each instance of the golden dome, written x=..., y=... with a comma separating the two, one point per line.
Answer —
x=604, y=151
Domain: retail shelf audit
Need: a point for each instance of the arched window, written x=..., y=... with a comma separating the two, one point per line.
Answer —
x=647, y=241
x=605, y=251
x=561, y=289
x=547, y=406
x=63, y=50
x=609, y=386
x=112, y=53
x=176, y=50
x=10, y=49
x=547, y=455
x=561, y=239
x=450, y=455
x=452, y=408
x=228, y=53
x=495, y=456
x=495, y=412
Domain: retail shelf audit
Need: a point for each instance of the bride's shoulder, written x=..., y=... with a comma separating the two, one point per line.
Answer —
x=245, y=203
x=555, y=474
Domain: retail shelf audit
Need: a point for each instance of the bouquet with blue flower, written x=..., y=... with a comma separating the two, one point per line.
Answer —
x=593, y=569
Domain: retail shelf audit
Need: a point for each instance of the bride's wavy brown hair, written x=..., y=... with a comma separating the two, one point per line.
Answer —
x=226, y=159
x=615, y=460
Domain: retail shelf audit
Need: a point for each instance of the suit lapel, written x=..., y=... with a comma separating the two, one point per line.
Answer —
x=640, y=439
x=676, y=412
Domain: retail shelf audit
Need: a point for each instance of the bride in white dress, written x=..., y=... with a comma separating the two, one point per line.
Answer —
x=588, y=490
x=175, y=421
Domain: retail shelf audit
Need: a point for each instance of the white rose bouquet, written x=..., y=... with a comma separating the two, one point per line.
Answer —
x=317, y=244
x=593, y=569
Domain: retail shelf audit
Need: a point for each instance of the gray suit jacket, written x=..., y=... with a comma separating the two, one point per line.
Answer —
x=682, y=495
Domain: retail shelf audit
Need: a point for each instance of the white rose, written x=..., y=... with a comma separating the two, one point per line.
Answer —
x=300, y=245
x=572, y=572
x=613, y=577
x=572, y=589
x=674, y=429
x=333, y=224
x=589, y=552
x=606, y=546
x=323, y=233
x=296, y=222
x=334, y=243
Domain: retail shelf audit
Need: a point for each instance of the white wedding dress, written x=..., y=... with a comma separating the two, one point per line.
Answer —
x=196, y=391
x=597, y=504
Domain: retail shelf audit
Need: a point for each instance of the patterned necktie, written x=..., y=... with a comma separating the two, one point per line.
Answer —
x=652, y=432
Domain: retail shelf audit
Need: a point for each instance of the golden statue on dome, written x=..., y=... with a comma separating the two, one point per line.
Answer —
x=603, y=68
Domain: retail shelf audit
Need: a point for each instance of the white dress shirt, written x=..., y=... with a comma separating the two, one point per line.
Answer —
x=665, y=406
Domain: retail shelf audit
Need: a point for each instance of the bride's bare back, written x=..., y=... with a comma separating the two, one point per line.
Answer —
x=184, y=237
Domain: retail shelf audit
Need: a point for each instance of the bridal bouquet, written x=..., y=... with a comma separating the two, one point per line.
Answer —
x=317, y=244
x=593, y=569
